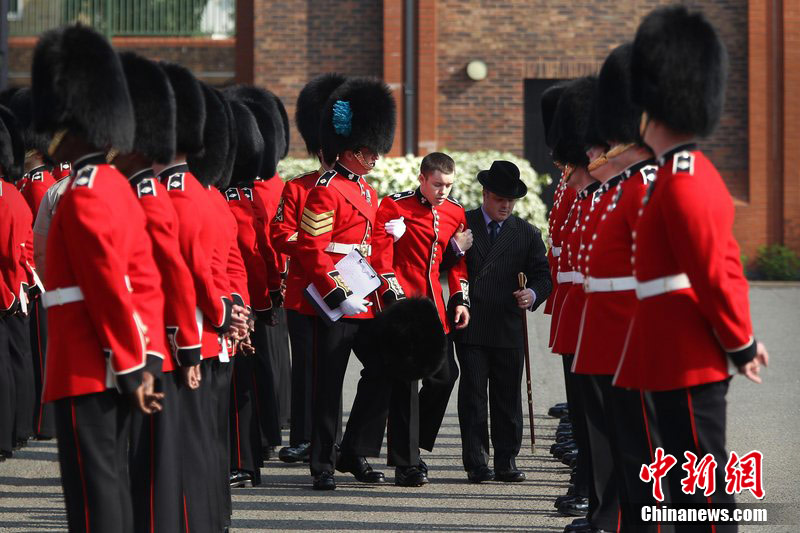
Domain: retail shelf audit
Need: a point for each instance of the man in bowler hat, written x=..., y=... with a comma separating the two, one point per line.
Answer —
x=491, y=348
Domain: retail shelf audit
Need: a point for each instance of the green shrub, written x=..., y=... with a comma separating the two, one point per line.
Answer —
x=396, y=174
x=777, y=262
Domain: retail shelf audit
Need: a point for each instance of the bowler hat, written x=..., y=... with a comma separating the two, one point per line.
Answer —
x=502, y=178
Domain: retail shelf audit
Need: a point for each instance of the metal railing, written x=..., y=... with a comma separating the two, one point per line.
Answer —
x=128, y=18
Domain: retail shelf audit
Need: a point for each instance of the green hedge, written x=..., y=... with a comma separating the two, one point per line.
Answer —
x=396, y=174
x=777, y=262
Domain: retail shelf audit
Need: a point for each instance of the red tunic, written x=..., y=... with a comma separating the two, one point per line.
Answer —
x=413, y=261
x=233, y=274
x=241, y=205
x=34, y=185
x=560, y=289
x=176, y=280
x=97, y=247
x=680, y=338
x=268, y=194
x=562, y=201
x=16, y=231
x=339, y=209
x=607, y=315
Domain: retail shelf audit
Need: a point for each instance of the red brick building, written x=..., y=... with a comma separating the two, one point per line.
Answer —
x=421, y=49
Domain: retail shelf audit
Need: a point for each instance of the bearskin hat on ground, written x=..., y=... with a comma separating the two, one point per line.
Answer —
x=249, y=146
x=78, y=84
x=190, y=108
x=263, y=105
x=571, y=121
x=359, y=113
x=153, y=106
x=310, y=105
x=12, y=149
x=549, y=102
x=614, y=116
x=21, y=104
x=211, y=164
x=679, y=69
x=409, y=337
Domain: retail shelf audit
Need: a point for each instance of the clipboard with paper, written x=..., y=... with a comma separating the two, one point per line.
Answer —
x=359, y=276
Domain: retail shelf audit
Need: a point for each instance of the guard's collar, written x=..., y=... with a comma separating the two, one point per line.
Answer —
x=95, y=158
x=589, y=189
x=636, y=167
x=667, y=156
x=40, y=168
x=141, y=175
x=345, y=172
x=177, y=168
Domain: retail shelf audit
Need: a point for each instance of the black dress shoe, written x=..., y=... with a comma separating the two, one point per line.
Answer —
x=480, y=474
x=423, y=466
x=513, y=475
x=360, y=468
x=293, y=454
x=324, y=481
x=568, y=457
x=567, y=497
x=240, y=478
x=577, y=506
x=578, y=526
x=564, y=449
x=558, y=410
x=409, y=476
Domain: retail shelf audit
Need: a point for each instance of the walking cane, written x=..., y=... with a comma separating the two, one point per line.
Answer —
x=522, y=282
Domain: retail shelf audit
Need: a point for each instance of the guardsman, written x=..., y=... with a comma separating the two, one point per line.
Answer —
x=357, y=127
x=685, y=259
x=283, y=232
x=156, y=441
x=570, y=129
x=412, y=231
x=102, y=280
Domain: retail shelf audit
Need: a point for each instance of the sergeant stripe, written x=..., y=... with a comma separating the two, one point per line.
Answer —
x=314, y=232
x=317, y=217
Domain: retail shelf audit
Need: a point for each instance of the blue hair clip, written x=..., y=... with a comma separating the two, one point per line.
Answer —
x=342, y=117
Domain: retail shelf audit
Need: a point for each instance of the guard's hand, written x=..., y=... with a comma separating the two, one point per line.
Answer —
x=353, y=305
x=396, y=228
x=752, y=368
x=461, y=316
x=524, y=298
x=463, y=238
x=239, y=321
x=145, y=398
x=191, y=376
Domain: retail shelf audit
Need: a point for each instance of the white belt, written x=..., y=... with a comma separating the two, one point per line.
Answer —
x=654, y=287
x=627, y=283
x=556, y=251
x=344, y=249
x=569, y=277
x=65, y=295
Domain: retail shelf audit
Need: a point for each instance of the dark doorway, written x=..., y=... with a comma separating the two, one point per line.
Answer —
x=536, y=151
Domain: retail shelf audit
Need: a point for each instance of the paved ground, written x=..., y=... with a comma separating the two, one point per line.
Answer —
x=760, y=417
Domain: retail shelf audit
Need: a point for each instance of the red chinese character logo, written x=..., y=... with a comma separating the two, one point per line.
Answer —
x=657, y=470
x=699, y=475
x=744, y=473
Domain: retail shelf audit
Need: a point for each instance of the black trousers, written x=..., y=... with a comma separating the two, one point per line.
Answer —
x=365, y=427
x=501, y=370
x=634, y=438
x=575, y=398
x=219, y=468
x=155, y=462
x=416, y=414
x=278, y=349
x=301, y=331
x=268, y=409
x=8, y=393
x=693, y=419
x=19, y=345
x=44, y=425
x=92, y=433
x=196, y=458
x=245, y=433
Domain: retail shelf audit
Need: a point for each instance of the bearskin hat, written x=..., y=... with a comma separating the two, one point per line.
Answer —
x=359, y=113
x=409, y=337
x=263, y=106
x=211, y=165
x=190, y=108
x=286, y=127
x=549, y=102
x=571, y=121
x=12, y=148
x=249, y=146
x=310, y=105
x=77, y=83
x=679, y=69
x=153, y=106
x=20, y=103
x=614, y=115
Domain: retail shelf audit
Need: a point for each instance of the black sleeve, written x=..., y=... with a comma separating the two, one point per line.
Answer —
x=537, y=269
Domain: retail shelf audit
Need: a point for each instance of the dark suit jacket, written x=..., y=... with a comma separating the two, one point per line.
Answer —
x=495, y=319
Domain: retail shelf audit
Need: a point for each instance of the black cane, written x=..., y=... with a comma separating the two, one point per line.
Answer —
x=522, y=285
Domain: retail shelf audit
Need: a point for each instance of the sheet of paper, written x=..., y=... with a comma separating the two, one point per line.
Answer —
x=359, y=276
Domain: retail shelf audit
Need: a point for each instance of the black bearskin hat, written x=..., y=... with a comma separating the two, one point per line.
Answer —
x=286, y=127
x=153, y=106
x=360, y=113
x=263, y=105
x=310, y=105
x=571, y=122
x=77, y=83
x=549, y=102
x=249, y=146
x=410, y=338
x=21, y=104
x=678, y=70
x=614, y=116
x=190, y=108
x=211, y=165
x=12, y=149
